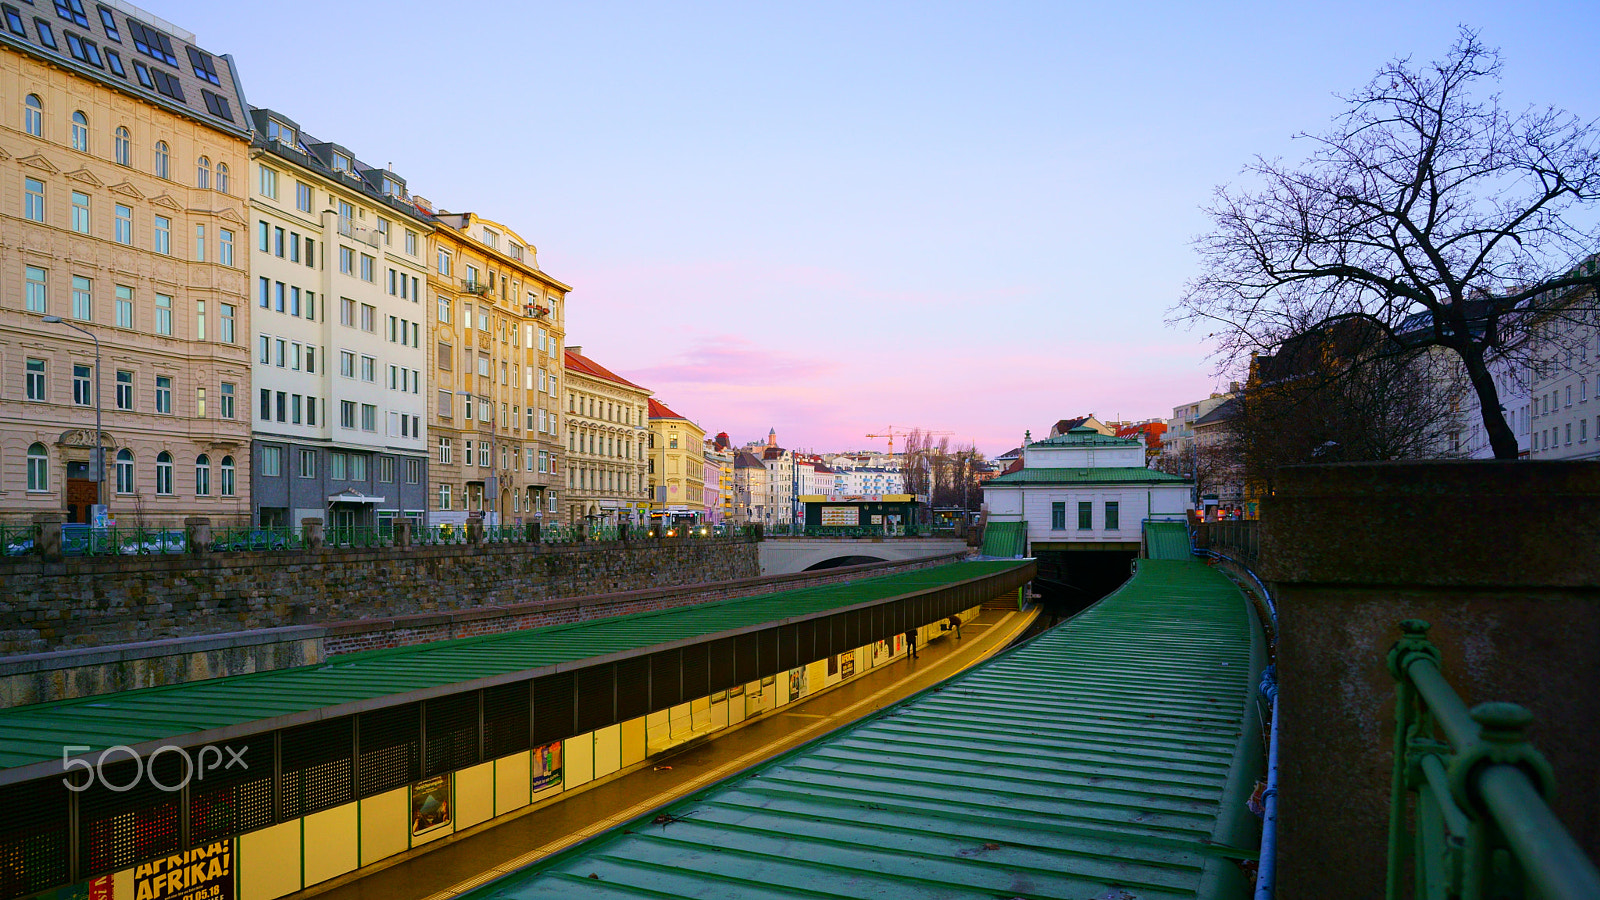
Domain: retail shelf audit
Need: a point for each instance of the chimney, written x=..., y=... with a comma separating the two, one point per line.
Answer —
x=575, y=348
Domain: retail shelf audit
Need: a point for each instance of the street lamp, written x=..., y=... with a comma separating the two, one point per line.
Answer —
x=98, y=460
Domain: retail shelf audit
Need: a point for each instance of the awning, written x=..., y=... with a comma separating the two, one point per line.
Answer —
x=349, y=496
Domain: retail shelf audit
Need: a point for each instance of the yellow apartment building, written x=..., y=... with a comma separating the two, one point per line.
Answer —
x=676, y=465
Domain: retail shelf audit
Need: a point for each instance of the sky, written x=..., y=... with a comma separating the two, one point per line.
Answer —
x=833, y=219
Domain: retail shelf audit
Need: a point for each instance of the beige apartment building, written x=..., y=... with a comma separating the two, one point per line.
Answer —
x=495, y=373
x=122, y=214
x=676, y=466
x=607, y=433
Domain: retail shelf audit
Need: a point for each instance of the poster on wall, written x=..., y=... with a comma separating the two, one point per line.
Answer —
x=847, y=664
x=546, y=766
x=797, y=683
x=841, y=516
x=430, y=804
x=204, y=873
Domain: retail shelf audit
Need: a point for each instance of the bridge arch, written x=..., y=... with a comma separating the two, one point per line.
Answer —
x=840, y=561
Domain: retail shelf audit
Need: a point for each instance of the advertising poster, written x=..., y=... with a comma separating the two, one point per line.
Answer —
x=430, y=804
x=797, y=682
x=845, y=516
x=546, y=766
x=847, y=664
x=204, y=873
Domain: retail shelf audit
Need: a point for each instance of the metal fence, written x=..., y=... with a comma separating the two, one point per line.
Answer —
x=1469, y=815
x=1239, y=540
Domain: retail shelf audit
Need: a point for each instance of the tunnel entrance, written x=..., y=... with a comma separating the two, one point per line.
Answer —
x=1069, y=581
x=838, y=561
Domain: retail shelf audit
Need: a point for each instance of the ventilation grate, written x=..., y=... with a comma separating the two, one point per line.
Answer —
x=316, y=764
x=633, y=687
x=232, y=790
x=136, y=818
x=597, y=698
x=35, y=842
x=450, y=739
x=389, y=744
x=552, y=708
x=507, y=719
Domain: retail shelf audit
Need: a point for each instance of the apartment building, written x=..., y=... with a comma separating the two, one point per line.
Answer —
x=608, y=430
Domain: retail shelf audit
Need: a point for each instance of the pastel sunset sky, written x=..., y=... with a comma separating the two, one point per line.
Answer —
x=831, y=218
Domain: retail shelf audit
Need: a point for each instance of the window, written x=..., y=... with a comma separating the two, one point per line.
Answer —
x=444, y=493
x=383, y=226
x=33, y=115
x=164, y=394
x=386, y=469
x=302, y=196
x=224, y=247
x=347, y=261
x=124, y=306
x=369, y=368
x=271, y=461
x=35, y=380
x=163, y=235
x=222, y=177
x=47, y=35
x=369, y=318
x=367, y=264
x=124, y=224
x=124, y=146
x=124, y=471
x=444, y=451
x=444, y=262
x=347, y=311
x=204, y=68
x=347, y=364
x=1058, y=516
x=36, y=289
x=199, y=243
x=80, y=132
x=83, y=385
x=33, y=199
x=307, y=464
x=1113, y=522
x=82, y=298
x=411, y=242
x=1085, y=515
x=114, y=59
x=484, y=454
x=413, y=471
x=124, y=389
x=202, y=175
x=163, y=159
x=341, y=163
x=199, y=403
x=80, y=212
x=227, y=476
x=226, y=333
x=164, y=473
x=38, y=468
x=14, y=21
x=347, y=414
x=163, y=315
x=72, y=11
x=202, y=476
x=225, y=403
x=269, y=183
x=369, y=417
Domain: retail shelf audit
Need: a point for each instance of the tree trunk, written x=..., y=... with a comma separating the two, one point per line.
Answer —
x=1501, y=438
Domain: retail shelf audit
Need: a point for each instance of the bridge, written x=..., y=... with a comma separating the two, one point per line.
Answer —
x=785, y=555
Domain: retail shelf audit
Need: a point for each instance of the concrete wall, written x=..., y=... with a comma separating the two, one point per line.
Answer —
x=1503, y=558
x=39, y=677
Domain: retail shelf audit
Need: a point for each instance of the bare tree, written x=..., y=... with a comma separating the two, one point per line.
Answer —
x=1441, y=220
x=916, y=462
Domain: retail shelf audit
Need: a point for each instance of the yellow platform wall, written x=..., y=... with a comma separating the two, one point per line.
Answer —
x=269, y=862
x=512, y=782
x=633, y=741
x=607, y=750
x=578, y=760
x=474, y=795
x=330, y=843
x=385, y=825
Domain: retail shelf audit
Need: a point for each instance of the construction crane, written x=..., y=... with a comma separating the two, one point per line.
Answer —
x=892, y=431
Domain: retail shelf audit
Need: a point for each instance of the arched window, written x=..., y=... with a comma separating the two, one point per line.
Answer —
x=162, y=158
x=124, y=146
x=124, y=471
x=80, y=131
x=164, y=473
x=222, y=177
x=202, y=175
x=38, y=468
x=227, y=476
x=33, y=116
x=202, y=476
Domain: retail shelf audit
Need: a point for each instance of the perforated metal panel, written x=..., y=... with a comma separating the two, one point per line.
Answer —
x=552, y=708
x=450, y=733
x=317, y=763
x=745, y=668
x=767, y=642
x=785, y=640
x=806, y=640
x=696, y=671
x=666, y=679
x=852, y=629
x=597, y=697
x=35, y=840
x=633, y=688
x=837, y=626
x=232, y=790
x=118, y=828
x=389, y=748
x=507, y=719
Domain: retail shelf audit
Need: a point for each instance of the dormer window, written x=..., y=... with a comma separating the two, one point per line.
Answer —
x=515, y=250
x=341, y=163
x=392, y=187
x=491, y=238
x=277, y=131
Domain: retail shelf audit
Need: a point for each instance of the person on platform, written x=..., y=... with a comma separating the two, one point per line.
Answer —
x=911, y=642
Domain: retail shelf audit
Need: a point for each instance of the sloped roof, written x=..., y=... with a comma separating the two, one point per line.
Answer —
x=1101, y=475
x=744, y=459
x=659, y=410
x=583, y=365
x=1222, y=412
x=1083, y=436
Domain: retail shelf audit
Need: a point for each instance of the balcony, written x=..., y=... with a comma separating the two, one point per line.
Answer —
x=368, y=236
x=481, y=288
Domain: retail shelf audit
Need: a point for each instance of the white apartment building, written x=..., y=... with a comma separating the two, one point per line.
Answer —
x=337, y=276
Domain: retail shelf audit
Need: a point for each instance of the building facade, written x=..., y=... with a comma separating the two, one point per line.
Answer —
x=718, y=496
x=676, y=465
x=122, y=221
x=608, y=430
x=495, y=359
x=337, y=270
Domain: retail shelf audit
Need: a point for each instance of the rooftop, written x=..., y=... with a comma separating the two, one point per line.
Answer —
x=1099, y=475
x=577, y=362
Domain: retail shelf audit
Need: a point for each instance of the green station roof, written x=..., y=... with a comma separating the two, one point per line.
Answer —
x=1096, y=761
x=1167, y=540
x=1100, y=475
x=1005, y=539
x=36, y=733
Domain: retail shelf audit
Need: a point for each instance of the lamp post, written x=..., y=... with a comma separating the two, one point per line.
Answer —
x=98, y=459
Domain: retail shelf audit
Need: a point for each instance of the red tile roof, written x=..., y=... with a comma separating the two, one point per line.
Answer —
x=659, y=410
x=577, y=362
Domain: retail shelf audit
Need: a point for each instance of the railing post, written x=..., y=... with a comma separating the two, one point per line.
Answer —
x=311, y=533
x=47, y=534
x=1413, y=644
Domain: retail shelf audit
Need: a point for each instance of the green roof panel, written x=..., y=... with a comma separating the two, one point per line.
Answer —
x=1092, y=475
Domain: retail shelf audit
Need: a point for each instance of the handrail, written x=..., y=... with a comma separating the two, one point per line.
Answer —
x=1482, y=821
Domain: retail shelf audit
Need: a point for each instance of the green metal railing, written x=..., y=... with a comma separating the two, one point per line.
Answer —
x=1482, y=822
x=357, y=536
x=240, y=540
x=18, y=540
